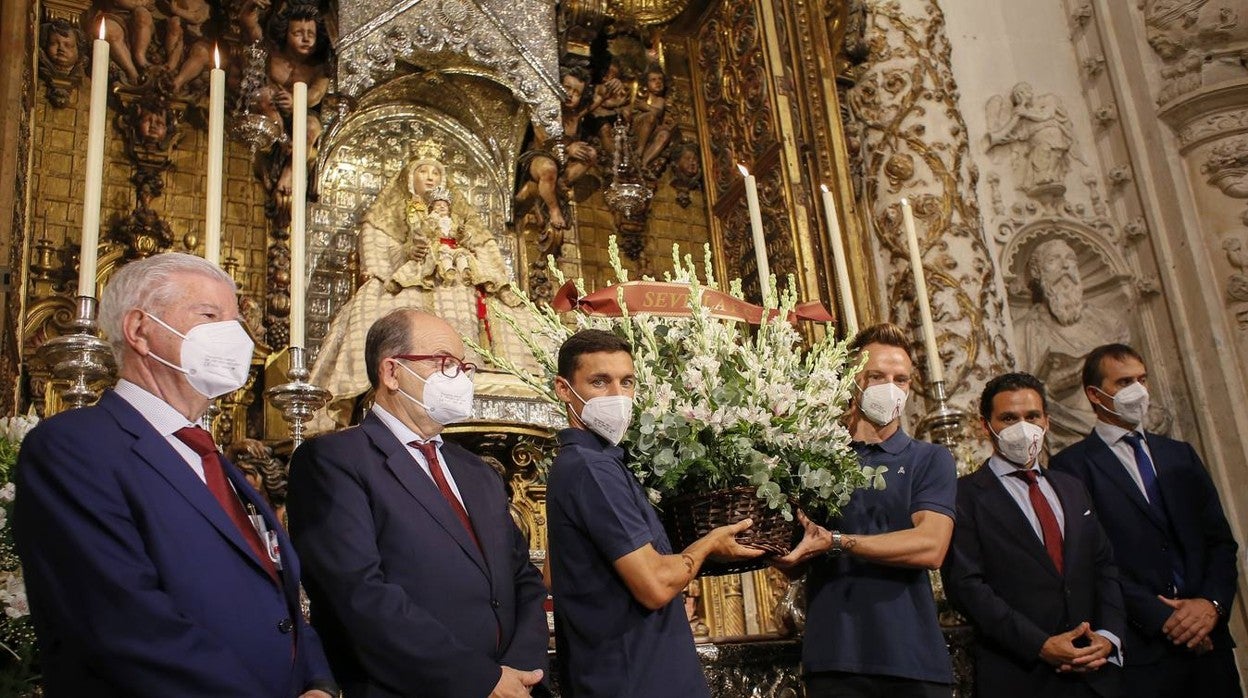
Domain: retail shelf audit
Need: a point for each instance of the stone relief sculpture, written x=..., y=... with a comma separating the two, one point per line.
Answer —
x=408, y=259
x=1039, y=135
x=1058, y=330
x=1198, y=42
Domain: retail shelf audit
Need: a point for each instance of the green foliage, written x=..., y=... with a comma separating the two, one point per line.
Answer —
x=720, y=403
x=19, y=672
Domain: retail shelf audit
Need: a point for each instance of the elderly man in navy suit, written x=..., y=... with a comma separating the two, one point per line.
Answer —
x=1030, y=565
x=420, y=581
x=1170, y=537
x=152, y=567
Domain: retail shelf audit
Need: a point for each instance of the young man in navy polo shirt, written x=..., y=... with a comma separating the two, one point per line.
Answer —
x=620, y=619
x=871, y=626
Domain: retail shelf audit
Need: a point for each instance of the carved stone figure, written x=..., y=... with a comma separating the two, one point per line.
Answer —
x=60, y=59
x=686, y=171
x=651, y=123
x=541, y=174
x=1058, y=331
x=300, y=53
x=1038, y=134
x=128, y=28
x=411, y=259
x=263, y=471
x=188, y=52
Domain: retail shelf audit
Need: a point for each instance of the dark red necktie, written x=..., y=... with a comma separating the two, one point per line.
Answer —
x=430, y=451
x=201, y=442
x=1048, y=521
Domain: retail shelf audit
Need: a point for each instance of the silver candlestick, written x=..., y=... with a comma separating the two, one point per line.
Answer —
x=80, y=358
x=298, y=399
x=944, y=425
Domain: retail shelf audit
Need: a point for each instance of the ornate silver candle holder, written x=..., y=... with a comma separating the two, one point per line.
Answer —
x=298, y=399
x=944, y=425
x=80, y=358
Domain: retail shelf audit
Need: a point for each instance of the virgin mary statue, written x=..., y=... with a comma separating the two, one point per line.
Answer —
x=421, y=245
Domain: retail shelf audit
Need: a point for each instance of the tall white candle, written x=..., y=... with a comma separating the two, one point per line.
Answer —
x=935, y=370
x=298, y=211
x=216, y=157
x=841, y=265
x=95, y=167
x=756, y=227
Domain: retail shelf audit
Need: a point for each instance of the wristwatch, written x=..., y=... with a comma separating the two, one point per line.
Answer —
x=1217, y=607
x=837, y=547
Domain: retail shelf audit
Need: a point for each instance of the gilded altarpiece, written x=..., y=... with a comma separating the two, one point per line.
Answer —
x=750, y=82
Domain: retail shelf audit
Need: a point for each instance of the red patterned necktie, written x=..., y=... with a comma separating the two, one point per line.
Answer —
x=201, y=442
x=1048, y=521
x=430, y=451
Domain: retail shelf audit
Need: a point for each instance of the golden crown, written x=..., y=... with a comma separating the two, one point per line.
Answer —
x=427, y=149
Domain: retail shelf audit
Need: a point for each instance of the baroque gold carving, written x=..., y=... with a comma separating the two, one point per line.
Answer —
x=733, y=95
x=906, y=104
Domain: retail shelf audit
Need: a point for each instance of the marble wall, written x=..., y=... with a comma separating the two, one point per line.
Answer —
x=1109, y=142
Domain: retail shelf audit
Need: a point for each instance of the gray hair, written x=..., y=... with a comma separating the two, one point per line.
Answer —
x=147, y=284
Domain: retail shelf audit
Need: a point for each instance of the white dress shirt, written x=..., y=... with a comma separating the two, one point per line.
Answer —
x=1018, y=488
x=163, y=418
x=1115, y=437
x=405, y=436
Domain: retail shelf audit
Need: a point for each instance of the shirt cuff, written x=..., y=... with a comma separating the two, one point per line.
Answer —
x=1114, y=657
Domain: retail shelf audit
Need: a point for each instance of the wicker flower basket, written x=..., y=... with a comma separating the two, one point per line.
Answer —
x=689, y=517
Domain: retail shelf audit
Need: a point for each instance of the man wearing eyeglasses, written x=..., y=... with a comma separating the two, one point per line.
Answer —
x=419, y=580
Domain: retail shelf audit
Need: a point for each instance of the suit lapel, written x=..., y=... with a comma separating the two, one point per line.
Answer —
x=249, y=495
x=408, y=472
x=1104, y=460
x=1072, y=514
x=476, y=502
x=155, y=450
x=998, y=502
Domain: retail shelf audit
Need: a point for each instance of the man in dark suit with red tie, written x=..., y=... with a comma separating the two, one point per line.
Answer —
x=1030, y=565
x=420, y=581
x=152, y=567
x=1170, y=536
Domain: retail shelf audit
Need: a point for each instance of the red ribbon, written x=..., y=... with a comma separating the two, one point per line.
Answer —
x=672, y=300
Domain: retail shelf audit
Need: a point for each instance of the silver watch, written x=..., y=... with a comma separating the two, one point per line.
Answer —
x=837, y=547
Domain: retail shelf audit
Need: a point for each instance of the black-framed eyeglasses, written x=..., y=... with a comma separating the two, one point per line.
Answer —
x=447, y=364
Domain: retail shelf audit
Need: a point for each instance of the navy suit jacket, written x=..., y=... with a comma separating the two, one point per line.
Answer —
x=406, y=602
x=1143, y=542
x=139, y=583
x=1000, y=576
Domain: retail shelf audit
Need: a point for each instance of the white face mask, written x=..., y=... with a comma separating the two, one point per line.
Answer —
x=607, y=415
x=447, y=400
x=1130, y=403
x=882, y=403
x=216, y=356
x=1020, y=443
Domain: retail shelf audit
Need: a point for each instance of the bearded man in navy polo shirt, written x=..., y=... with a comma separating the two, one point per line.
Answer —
x=620, y=619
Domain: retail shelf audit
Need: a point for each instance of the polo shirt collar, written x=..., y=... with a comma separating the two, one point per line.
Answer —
x=588, y=439
x=892, y=445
